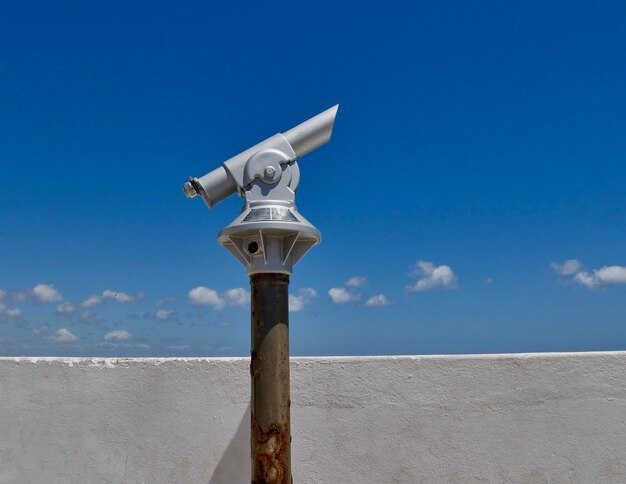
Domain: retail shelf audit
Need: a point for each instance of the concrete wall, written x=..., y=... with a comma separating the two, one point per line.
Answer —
x=501, y=418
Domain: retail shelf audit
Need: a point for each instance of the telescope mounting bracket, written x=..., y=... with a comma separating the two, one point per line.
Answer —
x=269, y=235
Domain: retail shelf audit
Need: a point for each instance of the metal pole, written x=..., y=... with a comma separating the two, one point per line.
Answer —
x=270, y=434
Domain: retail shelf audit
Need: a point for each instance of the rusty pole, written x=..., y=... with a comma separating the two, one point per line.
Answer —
x=270, y=435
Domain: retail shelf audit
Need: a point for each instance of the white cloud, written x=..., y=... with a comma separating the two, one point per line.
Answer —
x=595, y=279
x=567, y=268
x=297, y=303
x=356, y=281
x=46, y=293
x=489, y=280
x=308, y=292
x=91, y=301
x=41, y=329
x=119, y=296
x=178, y=347
x=611, y=275
x=378, y=300
x=118, y=335
x=605, y=276
x=14, y=313
x=237, y=297
x=86, y=315
x=66, y=309
x=2, y=294
x=341, y=295
x=433, y=277
x=164, y=301
x=163, y=314
x=63, y=335
x=586, y=279
x=203, y=296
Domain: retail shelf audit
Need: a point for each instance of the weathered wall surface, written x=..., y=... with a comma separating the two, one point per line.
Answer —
x=499, y=418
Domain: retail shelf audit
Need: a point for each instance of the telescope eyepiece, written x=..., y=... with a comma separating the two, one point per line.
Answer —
x=189, y=189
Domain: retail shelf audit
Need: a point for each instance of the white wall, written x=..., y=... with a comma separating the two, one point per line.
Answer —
x=499, y=418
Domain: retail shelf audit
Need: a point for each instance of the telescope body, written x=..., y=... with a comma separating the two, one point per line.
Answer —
x=229, y=178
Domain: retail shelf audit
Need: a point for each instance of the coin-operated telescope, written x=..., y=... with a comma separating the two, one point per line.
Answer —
x=268, y=237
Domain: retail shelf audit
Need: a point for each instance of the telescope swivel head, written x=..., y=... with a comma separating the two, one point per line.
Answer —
x=269, y=235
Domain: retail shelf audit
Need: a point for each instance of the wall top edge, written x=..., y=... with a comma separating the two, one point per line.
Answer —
x=113, y=361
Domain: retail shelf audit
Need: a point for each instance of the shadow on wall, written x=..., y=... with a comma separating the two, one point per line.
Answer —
x=234, y=466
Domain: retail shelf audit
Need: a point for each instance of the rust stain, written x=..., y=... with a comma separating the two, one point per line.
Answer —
x=270, y=464
x=254, y=365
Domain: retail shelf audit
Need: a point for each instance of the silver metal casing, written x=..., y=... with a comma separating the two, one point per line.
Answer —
x=270, y=235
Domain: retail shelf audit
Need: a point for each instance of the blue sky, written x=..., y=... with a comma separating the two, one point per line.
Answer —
x=477, y=148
